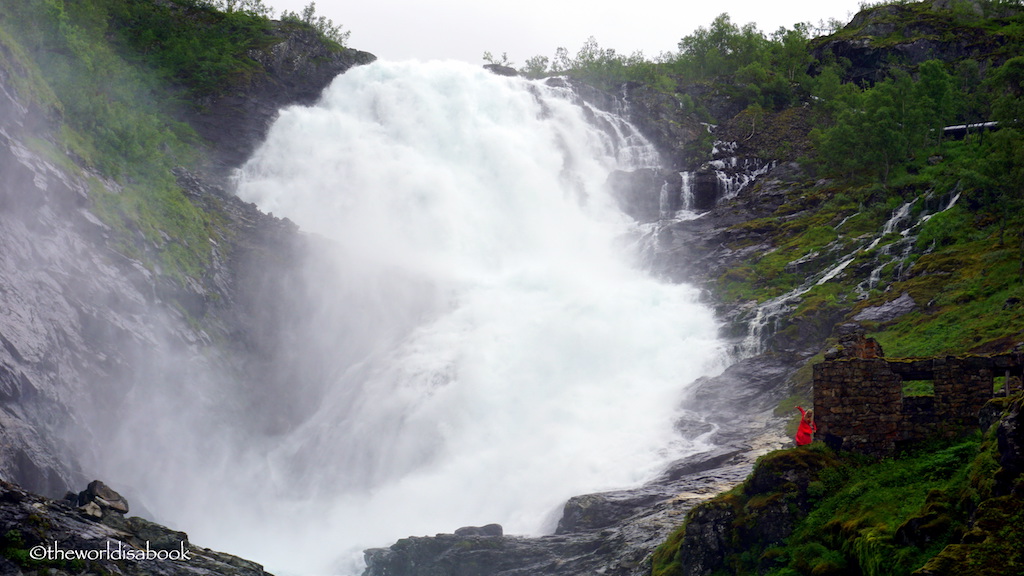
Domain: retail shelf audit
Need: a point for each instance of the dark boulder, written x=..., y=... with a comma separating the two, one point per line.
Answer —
x=104, y=496
x=488, y=530
x=501, y=70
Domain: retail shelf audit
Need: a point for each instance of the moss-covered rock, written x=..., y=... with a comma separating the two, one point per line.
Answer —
x=939, y=511
x=732, y=531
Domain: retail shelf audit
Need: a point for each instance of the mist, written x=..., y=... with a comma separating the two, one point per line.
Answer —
x=466, y=337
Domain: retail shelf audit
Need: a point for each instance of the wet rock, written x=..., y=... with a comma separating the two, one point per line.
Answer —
x=33, y=526
x=615, y=533
x=638, y=193
x=105, y=497
x=889, y=311
x=501, y=70
x=610, y=533
x=488, y=530
x=750, y=386
x=703, y=249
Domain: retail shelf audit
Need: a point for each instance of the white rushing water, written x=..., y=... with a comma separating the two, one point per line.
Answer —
x=527, y=361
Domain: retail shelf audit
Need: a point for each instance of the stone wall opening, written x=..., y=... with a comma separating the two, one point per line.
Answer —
x=867, y=403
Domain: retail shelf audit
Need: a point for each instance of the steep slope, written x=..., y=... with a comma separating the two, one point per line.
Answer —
x=116, y=284
x=124, y=286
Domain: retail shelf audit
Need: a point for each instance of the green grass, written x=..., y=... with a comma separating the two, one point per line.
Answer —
x=970, y=292
x=918, y=388
x=871, y=517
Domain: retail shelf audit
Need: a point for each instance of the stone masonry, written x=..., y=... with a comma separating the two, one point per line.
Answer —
x=859, y=403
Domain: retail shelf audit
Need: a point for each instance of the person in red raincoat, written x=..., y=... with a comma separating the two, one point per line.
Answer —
x=805, y=432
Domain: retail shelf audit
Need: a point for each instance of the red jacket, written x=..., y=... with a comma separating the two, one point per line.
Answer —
x=805, y=433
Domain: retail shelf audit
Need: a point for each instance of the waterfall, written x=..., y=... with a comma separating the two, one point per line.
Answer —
x=510, y=355
x=686, y=190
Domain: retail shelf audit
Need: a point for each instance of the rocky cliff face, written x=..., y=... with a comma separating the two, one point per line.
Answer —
x=84, y=327
x=58, y=330
x=905, y=35
x=297, y=66
x=87, y=332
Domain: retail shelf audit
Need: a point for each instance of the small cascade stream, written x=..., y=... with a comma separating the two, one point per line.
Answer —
x=768, y=315
x=735, y=173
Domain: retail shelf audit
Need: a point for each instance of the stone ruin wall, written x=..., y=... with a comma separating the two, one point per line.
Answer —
x=859, y=403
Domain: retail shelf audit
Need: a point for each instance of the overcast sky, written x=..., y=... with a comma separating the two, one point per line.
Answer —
x=464, y=29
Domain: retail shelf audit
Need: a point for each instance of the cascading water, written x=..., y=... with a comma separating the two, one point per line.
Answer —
x=526, y=360
x=686, y=190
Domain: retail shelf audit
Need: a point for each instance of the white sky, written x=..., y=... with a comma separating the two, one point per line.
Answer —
x=464, y=29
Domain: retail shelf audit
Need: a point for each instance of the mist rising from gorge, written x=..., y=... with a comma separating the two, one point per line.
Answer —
x=484, y=342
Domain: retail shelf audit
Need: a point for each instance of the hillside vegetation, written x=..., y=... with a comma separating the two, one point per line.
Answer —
x=862, y=110
x=939, y=510
x=110, y=81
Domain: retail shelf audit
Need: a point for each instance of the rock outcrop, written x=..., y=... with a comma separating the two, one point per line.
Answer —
x=609, y=533
x=297, y=66
x=909, y=34
x=59, y=537
x=744, y=530
x=757, y=516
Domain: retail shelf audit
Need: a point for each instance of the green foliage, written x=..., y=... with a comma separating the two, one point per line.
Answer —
x=865, y=504
x=115, y=120
x=751, y=68
x=945, y=229
x=601, y=67
x=883, y=126
x=189, y=43
x=251, y=7
x=722, y=48
x=971, y=295
x=503, y=61
x=536, y=67
x=322, y=24
x=746, y=65
x=918, y=388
